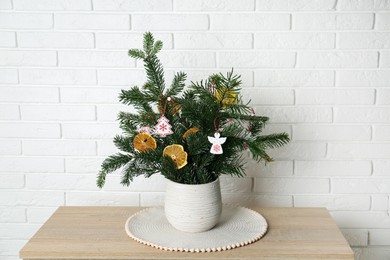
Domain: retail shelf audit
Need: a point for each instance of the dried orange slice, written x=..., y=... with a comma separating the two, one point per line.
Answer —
x=144, y=141
x=177, y=154
x=190, y=131
x=226, y=96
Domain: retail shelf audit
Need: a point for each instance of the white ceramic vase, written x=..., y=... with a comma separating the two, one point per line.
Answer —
x=193, y=208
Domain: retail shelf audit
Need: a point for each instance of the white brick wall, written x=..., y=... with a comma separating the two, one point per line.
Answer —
x=319, y=69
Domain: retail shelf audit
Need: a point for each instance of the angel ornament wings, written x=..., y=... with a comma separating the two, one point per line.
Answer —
x=216, y=148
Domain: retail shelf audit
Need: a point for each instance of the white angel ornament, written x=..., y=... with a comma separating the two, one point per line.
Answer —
x=216, y=148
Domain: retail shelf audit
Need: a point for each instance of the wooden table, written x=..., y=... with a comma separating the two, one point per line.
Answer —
x=98, y=233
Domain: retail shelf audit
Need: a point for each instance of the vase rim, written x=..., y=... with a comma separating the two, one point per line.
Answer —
x=183, y=184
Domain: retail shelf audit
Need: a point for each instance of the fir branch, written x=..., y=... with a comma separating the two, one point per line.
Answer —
x=136, y=54
x=177, y=84
x=110, y=164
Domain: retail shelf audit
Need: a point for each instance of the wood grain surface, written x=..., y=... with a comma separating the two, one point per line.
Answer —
x=98, y=233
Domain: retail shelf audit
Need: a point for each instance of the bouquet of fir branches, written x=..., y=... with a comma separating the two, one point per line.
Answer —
x=190, y=135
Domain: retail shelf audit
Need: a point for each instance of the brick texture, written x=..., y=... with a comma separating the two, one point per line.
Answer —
x=320, y=69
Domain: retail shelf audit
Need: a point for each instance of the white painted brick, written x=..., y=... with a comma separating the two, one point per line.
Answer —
x=382, y=21
x=254, y=200
x=83, y=165
x=8, y=147
x=334, y=202
x=364, y=40
x=340, y=59
x=26, y=21
x=58, y=40
x=214, y=5
x=102, y=199
x=31, y=198
x=295, y=40
x=92, y=21
x=250, y=59
x=294, y=78
x=331, y=133
x=8, y=76
x=152, y=199
x=356, y=237
x=155, y=183
x=332, y=96
x=295, y=5
x=296, y=114
x=375, y=252
x=28, y=58
x=379, y=237
x=353, y=219
x=170, y=22
x=95, y=95
x=132, y=5
x=362, y=115
x=250, y=22
x=319, y=22
x=187, y=59
x=105, y=147
x=31, y=164
x=272, y=169
x=5, y=4
x=10, y=248
x=384, y=59
x=267, y=96
x=380, y=202
x=291, y=185
x=57, y=5
x=277, y=128
x=121, y=77
x=127, y=41
x=381, y=167
x=29, y=130
x=61, y=182
x=217, y=41
x=90, y=131
x=350, y=5
x=110, y=112
x=235, y=185
x=39, y=215
x=359, y=151
x=94, y=59
x=7, y=39
x=296, y=150
x=61, y=147
x=58, y=76
x=58, y=112
x=29, y=94
x=12, y=215
x=18, y=230
x=333, y=168
x=9, y=112
x=11, y=181
x=382, y=133
x=361, y=185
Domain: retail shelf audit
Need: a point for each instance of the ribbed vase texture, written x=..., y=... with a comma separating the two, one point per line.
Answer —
x=193, y=208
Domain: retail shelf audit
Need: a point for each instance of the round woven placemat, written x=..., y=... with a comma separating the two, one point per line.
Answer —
x=238, y=226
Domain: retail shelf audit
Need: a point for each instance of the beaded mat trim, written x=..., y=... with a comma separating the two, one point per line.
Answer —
x=238, y=226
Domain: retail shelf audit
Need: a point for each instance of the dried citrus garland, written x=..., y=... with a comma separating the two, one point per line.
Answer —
x=143, y=142
x=177, y=154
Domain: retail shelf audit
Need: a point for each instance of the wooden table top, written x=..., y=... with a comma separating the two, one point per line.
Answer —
x=98, y=233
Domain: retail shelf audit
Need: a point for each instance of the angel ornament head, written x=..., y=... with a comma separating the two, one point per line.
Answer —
x=216, y=148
